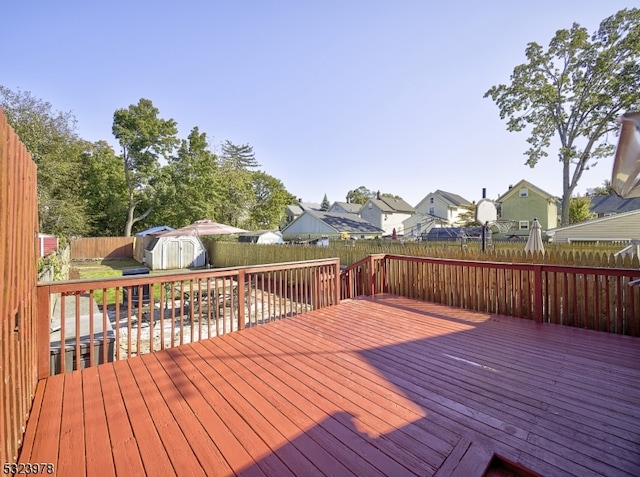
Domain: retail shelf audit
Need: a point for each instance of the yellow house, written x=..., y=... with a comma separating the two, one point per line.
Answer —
x=523, y=202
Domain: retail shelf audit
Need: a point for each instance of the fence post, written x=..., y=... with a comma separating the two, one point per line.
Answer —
x=241, y=299
x=43, y=331
x=336, y=293
x=537, y=293
x=372, y=276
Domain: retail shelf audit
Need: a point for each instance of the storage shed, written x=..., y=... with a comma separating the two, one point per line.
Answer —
x=168, y=253
x=144, y=238
x=47, y=244
x=261, y=236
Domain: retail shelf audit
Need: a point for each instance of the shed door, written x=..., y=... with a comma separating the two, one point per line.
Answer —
x=171, y=255
x=187, y=254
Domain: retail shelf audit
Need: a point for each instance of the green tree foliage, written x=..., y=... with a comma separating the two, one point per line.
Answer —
x=193, y=189
x=360, y=195
x=50, y=138
x=237, y=157
x=145, y=138
x=269, y=202
x=324, y=205
x=580, y=209
x=104, y=189
x=468, y=217
x=574, y=91
x=605, y=189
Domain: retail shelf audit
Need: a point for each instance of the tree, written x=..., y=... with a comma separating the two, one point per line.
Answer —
x=360, y=195
x=468, y=217
x=269, y=202
x=605, y=189
x=193, y=188
x=50, y=138
x=144, y=138
x=104, y=190
x=324, y=205
x=574, y=91
x=580, y=209
x=238, y=157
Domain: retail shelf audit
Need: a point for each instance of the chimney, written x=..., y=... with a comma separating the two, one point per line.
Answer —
x=378, y=195
x=484, y=192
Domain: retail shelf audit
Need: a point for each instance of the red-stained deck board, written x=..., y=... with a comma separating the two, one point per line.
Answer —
x=331, y=442
x=520, y=406
x=72, y=427
x=320, y=447
x=152, y=450
x=219, y=417
x=124, y=447
x=384, y=386
x=183, y=461
x=271, y=424
x=99, y=460
x=207, y=455
x=341, y=382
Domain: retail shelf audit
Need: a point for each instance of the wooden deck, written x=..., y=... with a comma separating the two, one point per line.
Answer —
x=385, y=386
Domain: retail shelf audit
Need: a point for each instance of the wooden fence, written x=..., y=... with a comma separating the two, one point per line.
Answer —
x=18, y=279
x=595, y=298
x=92, y=248
x=232, y=254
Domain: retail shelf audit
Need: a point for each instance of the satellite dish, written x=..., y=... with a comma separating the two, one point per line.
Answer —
x=625, y=177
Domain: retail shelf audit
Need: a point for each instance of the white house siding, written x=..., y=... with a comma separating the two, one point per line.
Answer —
x=306, y=225
x=373, y=215
x=620, y=227
x=440, y=207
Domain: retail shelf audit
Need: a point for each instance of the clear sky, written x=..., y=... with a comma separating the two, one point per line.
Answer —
x=331, y=94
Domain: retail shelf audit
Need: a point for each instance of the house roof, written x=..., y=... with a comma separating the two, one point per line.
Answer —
x=452, y=199
x=390, y=205
x=523, y=183
x=155, y=230
x=613, y=204
x=300, y=207
x=349, y=207
x=348, y=223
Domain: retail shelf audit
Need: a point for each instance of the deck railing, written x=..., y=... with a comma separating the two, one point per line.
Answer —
x=126, y=316
x=595, y=298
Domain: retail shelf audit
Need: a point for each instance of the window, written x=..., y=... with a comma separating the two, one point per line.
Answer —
x=431, y=200
x=524, y=193
x=524, y=225
x=432, y=211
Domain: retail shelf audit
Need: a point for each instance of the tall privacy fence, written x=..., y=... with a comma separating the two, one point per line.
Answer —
x=91, y=248
x=230, y=254
x=18, y=278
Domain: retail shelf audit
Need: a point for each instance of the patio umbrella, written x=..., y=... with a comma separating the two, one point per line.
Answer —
x=534, y=242
x=625, y=177
x=203, y=228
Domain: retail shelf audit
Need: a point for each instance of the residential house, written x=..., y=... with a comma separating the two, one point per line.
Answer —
x=604, y=205
x=293, y=211
x=387, y=213
x=622, y=227
x=523, y=202
x=437, y=209
x=317, y=224
x=261, y=237
x=345, y=208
